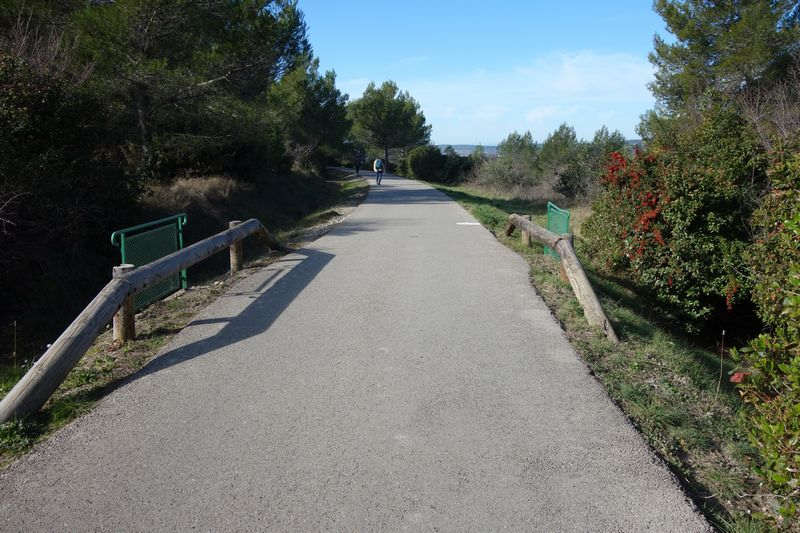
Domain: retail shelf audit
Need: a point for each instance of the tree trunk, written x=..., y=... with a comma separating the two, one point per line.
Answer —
x=386, y=157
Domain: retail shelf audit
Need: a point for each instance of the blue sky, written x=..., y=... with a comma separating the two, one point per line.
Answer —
x=483, y=69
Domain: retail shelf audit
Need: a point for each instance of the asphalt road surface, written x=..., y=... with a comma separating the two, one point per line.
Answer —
x=398, y=374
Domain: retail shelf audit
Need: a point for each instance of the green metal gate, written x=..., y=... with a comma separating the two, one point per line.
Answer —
x=557, y=222
x=147, y=242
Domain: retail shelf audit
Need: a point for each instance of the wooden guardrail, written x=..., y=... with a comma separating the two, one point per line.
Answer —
x=47, y=373
x=572, y=268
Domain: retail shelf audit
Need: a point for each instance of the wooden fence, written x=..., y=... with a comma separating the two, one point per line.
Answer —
x=572, y=269
x=47, y=373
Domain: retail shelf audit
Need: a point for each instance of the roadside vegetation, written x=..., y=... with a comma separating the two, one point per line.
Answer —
x=673, y=388
x=693, y=239
x=113, y=112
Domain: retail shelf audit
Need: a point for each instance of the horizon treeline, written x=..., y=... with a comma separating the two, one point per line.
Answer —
x=562, y=164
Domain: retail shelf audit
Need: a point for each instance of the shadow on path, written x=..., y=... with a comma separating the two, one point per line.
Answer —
x=256, y=317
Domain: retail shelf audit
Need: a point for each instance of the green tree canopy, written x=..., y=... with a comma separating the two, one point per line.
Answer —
x=519, y=146
x=187, y=76
x=559, y=147
x=726, y=46
x=312, y=111
x=387, y=117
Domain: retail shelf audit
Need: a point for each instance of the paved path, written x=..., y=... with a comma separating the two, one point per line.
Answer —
x=398, y=374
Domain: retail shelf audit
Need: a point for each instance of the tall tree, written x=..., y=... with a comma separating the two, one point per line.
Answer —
x=726, y=46
x=313, y=112
x=387, y=117
x=163, y=62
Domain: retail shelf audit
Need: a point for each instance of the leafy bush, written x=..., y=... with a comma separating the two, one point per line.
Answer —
x=427, y=163
x=570, y=166
x=678, y=220
x=62, y=174
x=773, y=391
x=776, y=249
x=773, y=360
x=456, y=167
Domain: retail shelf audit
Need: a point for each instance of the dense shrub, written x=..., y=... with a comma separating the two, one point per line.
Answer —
x=456, y=167
x=773, y=360
x=516, y=163
x=427, y=163
x=567, y=165
x=61, y=191
x=773, y=392
x=776, y=248
x=678, y=220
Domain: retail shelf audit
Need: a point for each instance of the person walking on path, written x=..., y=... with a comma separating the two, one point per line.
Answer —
x=377, y=166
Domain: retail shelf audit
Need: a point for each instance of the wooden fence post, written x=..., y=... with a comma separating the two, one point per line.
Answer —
x=571, y=239
x=236, y=250
x=125, y=318
x=525, y=237
x=572, y=268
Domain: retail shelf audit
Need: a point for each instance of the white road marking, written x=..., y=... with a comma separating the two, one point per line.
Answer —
x=468, y=223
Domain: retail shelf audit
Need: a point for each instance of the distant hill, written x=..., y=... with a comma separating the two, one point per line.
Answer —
x=466, y=149
x=491, y=151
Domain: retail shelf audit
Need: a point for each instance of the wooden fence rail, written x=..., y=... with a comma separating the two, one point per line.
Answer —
x=47, y=373
x=572, y=268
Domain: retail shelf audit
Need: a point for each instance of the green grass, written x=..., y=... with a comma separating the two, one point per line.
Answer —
x=96, y=374
x=105, y=364
x=666, y=385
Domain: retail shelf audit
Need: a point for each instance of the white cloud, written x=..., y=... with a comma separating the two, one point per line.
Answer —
x=584, y=88
x=540, y=114
x=483, y=112
x=590, y=75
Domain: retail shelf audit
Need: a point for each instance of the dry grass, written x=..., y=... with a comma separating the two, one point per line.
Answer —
x=209, y=193
x=578, y=215
x=542, y=192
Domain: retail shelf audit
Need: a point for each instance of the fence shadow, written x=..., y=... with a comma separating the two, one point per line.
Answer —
x=266, y=305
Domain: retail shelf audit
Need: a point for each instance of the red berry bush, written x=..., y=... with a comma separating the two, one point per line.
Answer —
x=677, y=219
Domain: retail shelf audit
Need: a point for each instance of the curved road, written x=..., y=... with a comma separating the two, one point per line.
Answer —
x=398, y=374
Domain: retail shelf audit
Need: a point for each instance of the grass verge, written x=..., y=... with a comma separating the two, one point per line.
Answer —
x=675, y=392
x=106, y=364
